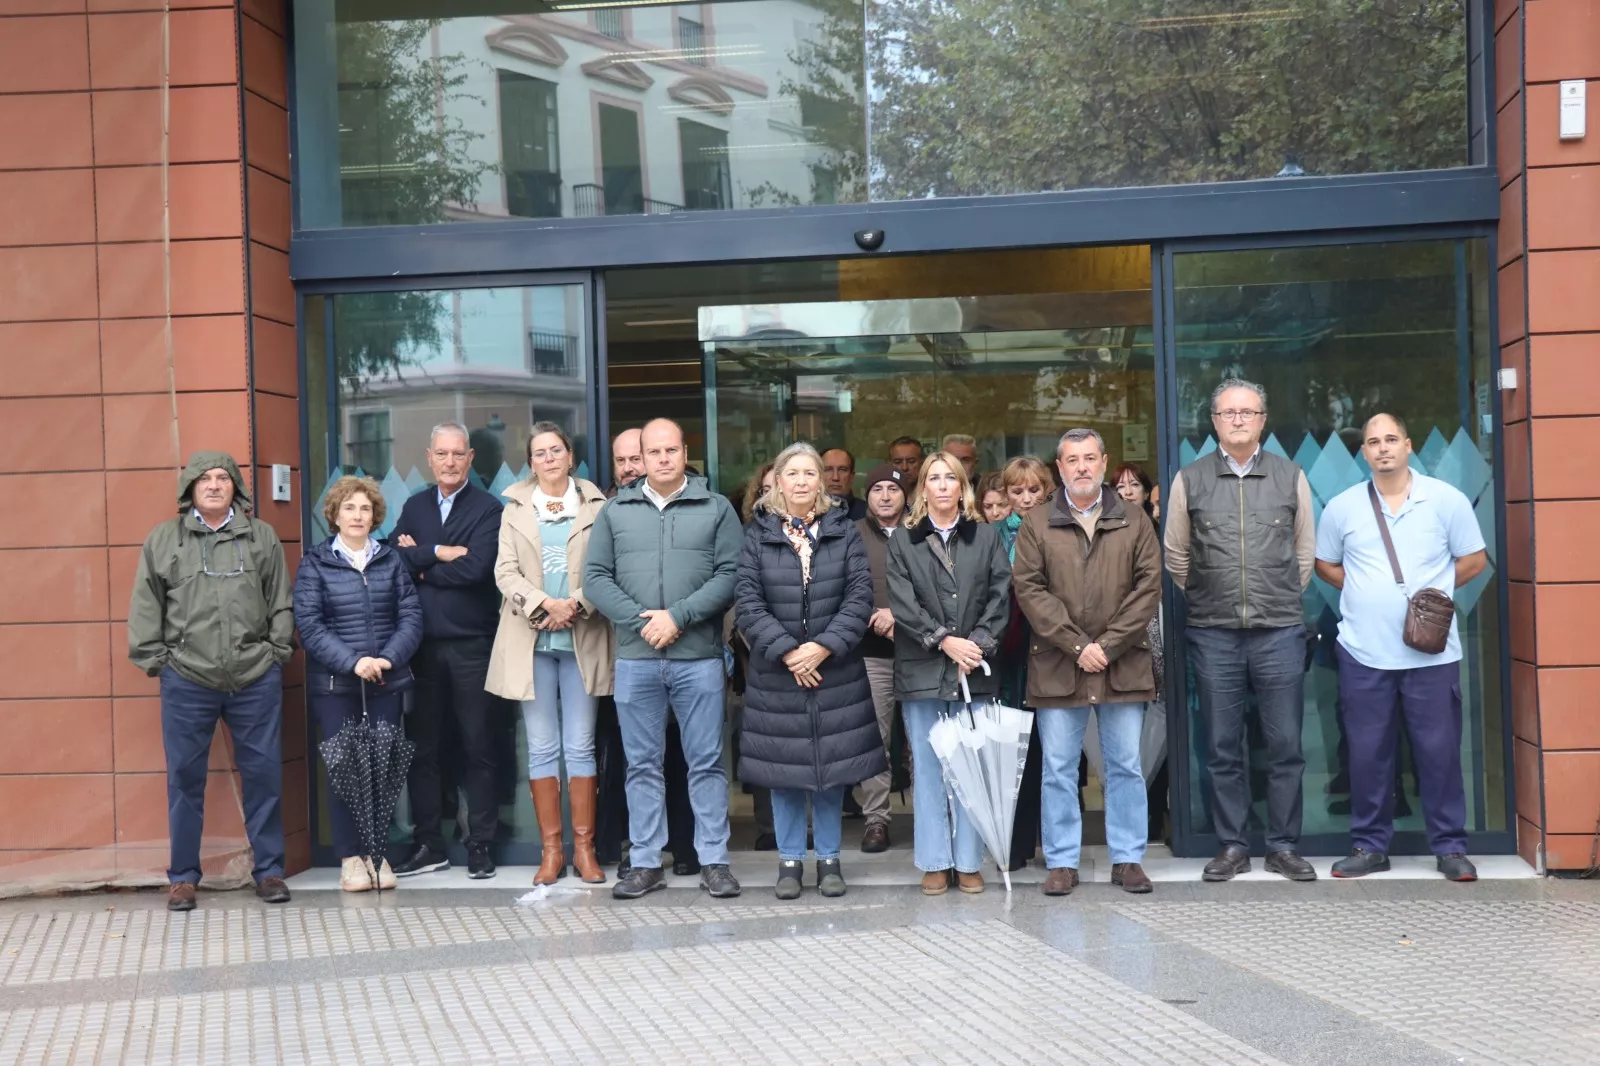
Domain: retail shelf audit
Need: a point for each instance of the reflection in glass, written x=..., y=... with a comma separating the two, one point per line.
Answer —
x=1337, y=334
x=571, y=112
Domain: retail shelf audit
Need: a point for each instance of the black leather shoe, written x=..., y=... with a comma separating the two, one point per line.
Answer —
x=640, y=881
x=789, y=873
x=479, y=864
x=719, y=881
x=1457, y=867
x=685, y=867
x=766, y=842
x=1361, y=862
x=875, y=838
x=272, y=890
x=1231, y=861
x=1289, y=864
x=423, y=861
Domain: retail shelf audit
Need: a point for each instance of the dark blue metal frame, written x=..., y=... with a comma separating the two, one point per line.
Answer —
x=1186, y=839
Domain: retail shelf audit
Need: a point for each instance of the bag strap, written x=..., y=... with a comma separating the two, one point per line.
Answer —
x=1388, y=538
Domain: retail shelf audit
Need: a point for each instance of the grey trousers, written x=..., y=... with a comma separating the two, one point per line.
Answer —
x=875, y=791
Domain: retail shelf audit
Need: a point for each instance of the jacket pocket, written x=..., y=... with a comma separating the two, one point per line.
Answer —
x=1133, y=670
x=1052, y=673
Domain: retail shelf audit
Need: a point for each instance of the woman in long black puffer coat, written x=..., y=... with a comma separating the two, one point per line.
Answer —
x=803, y=599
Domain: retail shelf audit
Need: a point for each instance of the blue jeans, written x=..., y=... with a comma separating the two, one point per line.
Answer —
x=1060, y=744
x=331, y=712
x=693, y=689
x=559, y=719
x=931, y=826
x=789, y=821
x=1228, y=665
x=254, y=714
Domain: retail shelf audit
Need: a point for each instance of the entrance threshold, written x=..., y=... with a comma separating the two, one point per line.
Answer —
x=892, y=869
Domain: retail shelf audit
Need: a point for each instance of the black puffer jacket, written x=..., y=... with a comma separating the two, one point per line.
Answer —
x=793, y=737
x=345, y=614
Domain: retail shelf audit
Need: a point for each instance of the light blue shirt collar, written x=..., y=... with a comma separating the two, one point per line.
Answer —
x=217, y=528
x=1242, y=469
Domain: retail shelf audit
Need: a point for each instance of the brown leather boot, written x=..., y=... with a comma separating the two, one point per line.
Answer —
x=546, y=792
x=581, y=795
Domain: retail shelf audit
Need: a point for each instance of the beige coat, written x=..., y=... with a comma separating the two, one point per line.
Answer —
x=519, y=572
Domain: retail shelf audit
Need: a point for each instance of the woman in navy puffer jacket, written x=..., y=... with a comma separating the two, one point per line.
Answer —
x=360, y=622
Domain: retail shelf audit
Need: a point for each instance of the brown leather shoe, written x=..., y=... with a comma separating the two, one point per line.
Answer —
x=971, y=884
x=875, y=838
x=935, y=882
x=546, y=792
x=1060, y=881
x=1132, y=878
x=272, y=890
x=180, y=897
x=581, y=795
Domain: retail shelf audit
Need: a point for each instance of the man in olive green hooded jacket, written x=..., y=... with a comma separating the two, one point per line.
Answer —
x=211, y=617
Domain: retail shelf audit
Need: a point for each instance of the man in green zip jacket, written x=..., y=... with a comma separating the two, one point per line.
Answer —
x=211, y=617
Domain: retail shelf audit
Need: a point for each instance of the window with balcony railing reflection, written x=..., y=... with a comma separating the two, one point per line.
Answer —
x=554, y=354
x=692, y=42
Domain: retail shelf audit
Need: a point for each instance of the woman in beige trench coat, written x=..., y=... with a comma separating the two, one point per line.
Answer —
x=553, y=651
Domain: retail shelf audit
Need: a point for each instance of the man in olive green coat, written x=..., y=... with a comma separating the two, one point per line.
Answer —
x=211, y=617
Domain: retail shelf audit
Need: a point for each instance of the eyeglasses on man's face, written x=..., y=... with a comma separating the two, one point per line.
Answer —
x=1238, y=415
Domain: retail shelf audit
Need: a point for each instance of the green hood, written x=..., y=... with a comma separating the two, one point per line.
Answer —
x=199, y=463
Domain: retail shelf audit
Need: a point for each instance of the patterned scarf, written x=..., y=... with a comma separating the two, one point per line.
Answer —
x=798, y=530
x=1008, y=533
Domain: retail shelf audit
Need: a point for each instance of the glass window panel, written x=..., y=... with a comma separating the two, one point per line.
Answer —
x=495, y=360
x=1336, y=334
x=528, y=108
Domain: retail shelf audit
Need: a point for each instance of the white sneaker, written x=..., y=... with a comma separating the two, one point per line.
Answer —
x=355, y=875
x=385, y=878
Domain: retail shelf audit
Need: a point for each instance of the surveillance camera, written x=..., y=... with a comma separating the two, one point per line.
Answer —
x=869, y=240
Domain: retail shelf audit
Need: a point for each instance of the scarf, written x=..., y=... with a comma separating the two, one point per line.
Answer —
x=798, y=530
x=1008, y=533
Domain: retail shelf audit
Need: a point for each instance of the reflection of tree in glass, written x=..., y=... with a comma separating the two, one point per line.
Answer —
x=376, y=334
x=978, y=97
x=404, y=150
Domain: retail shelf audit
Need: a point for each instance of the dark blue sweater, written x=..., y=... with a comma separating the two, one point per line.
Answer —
x=459, y=599
x=345, y=614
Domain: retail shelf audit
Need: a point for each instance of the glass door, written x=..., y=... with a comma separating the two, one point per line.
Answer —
x=383, y=367
x=1336, y=333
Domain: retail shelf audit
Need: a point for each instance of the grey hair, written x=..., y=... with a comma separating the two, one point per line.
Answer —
x=449, y=427
x=1237, y=383
x=775, y=500
x=957, y=438
x=1079, y=435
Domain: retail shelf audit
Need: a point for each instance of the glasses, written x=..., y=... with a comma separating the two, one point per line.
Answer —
x=205, y=559
x=1232, y=415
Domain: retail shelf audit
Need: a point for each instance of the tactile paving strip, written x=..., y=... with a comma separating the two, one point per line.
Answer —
x=1491, y=981
x=963, y=993
x=77, y=945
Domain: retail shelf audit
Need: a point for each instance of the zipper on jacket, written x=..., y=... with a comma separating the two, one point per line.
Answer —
x=1244, y=567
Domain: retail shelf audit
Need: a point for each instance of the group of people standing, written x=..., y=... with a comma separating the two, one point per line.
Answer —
x=841, y=609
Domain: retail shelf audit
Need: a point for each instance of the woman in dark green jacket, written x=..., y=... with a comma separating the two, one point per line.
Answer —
x=949, y=583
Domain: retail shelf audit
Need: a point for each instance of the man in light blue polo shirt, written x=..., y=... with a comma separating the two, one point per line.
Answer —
x=1381, y=679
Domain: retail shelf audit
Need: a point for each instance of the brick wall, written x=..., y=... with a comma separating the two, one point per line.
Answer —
x=85, y=391
x=1550, y=333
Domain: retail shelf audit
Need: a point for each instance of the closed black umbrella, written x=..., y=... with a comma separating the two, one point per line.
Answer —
x=367, y=763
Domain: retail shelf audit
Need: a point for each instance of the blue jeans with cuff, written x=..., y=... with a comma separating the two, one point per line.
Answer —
x=1061, y=732
x=932, y=827
x=789, y=821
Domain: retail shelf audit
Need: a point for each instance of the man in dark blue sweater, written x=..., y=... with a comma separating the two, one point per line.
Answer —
x=448, y=537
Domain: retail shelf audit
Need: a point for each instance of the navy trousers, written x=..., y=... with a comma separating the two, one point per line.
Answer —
x=1428, y=698
x=332, y=711
x=254, y=714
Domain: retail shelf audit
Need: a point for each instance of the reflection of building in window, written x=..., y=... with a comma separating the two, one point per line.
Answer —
x=553, y=353
x=692, y=41
x=824, y=185
x=621, y=163
x=707, y=184
x=370, y=445
x=609, y=22
x=529, y=147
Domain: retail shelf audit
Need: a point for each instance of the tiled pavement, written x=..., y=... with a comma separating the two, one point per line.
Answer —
x=1370, y=972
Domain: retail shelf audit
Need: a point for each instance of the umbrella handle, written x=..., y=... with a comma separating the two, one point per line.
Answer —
x=966, y=693
x=363, y=699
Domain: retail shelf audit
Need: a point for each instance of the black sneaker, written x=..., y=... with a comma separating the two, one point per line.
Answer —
x=640, y=881
x=789, y=874
x=1289, y=864
x=1361, y=862
x=1457, y=867
x=718, y=880
x=423, y=861
x=830, y=882
x=479, y=864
